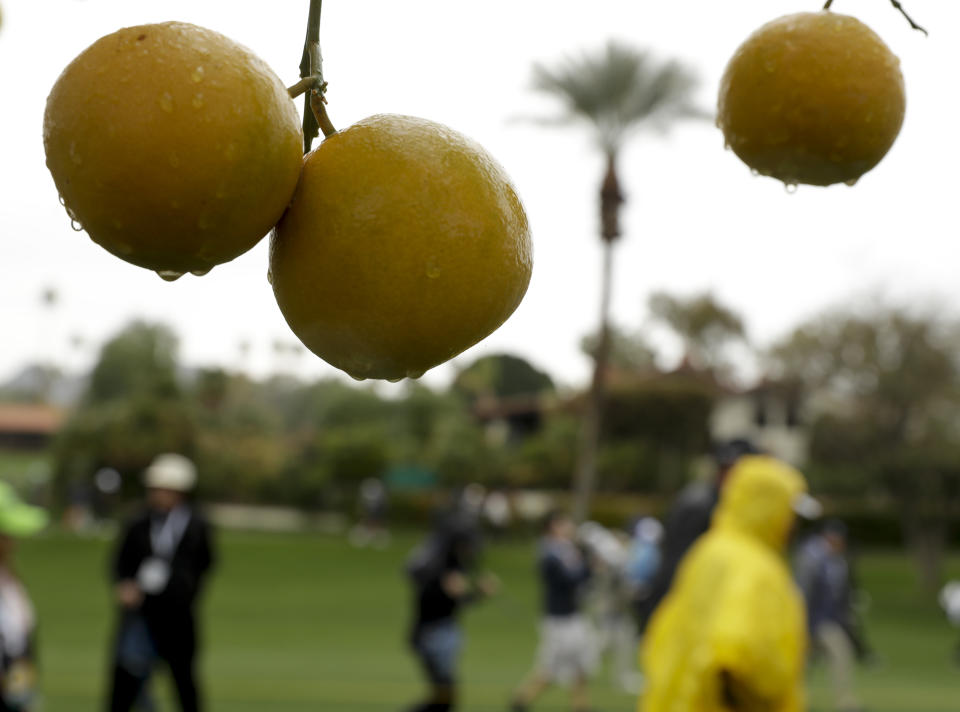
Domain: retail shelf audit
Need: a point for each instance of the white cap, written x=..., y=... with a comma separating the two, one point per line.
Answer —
x=649, y=529
x=171, y=472
x=807, y=507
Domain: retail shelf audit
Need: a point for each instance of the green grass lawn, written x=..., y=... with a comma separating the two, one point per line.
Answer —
x=302, y=622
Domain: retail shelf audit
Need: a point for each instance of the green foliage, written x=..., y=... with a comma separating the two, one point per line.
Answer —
x=546, y=458
x=893, y=377
x=123, y=434
x=629, y=351
x=501, y=376
x=140, y=361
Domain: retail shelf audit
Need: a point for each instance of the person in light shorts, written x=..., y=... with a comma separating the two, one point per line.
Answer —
x=568, y=652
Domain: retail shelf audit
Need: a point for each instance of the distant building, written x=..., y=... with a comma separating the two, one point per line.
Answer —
x=771, y=414
x=28, y=427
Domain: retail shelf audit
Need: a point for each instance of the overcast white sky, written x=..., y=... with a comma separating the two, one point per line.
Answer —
x=696, y=219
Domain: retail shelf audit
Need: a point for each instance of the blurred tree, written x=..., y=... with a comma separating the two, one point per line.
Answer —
x=629, y=352
x=133, y=409
x=888, y=383
x=139, y=361
x=705, y=325
x=614, y=92
x=501, y=376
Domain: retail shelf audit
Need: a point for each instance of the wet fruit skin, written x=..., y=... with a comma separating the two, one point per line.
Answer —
x=404, y=244
x=174, y=147
x=814, y=98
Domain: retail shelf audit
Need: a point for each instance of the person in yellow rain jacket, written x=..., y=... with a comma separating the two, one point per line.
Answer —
x=731, y=634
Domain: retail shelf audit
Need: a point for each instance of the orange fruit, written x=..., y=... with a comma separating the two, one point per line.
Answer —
x=815, y=98
x=405, y=244
x=173, y=146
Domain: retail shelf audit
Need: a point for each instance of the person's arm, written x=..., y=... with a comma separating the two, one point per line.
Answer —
x=459, y=587
x=123, y=571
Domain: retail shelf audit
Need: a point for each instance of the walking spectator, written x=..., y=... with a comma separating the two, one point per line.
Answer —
x=730, y=634
x=17, y=617
x=162, y=562
x=567, y=654
x=441, y=572
x=823, y=574
x=372, y=526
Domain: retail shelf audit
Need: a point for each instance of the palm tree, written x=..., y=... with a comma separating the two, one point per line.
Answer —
x=614, y=92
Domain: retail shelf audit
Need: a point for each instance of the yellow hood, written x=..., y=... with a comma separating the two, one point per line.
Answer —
x=758, y=499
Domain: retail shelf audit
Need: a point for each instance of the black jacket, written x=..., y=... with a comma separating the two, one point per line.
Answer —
x=192, y=560
x=688, y=519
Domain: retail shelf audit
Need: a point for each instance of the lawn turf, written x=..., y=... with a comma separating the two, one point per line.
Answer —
x=304, y=622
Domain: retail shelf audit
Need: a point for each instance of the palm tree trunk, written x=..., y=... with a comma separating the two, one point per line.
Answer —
x=585, y=476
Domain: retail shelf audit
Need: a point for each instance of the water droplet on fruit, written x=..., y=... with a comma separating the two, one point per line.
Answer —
x=791, y=188
x=358, y=378
x=62, y=201
x=197, y=75
x=169, y=275
x=395, y=380
x=166, y=102
x=414, y=373
x=74, y=156
x=197, y=101
x=754, y=172
x=76, y=226
x=433, y=269
x=852, y=182
x=270, y=277
x=200, y=272
x=124, y=249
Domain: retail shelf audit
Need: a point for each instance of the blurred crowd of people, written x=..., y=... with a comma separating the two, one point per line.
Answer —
x=727, y=600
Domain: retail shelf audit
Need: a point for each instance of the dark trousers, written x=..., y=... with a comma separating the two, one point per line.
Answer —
x=173, y=642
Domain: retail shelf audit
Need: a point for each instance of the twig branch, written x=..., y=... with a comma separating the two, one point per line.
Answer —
x=903, y=12
x=827, y=5
x=315, y=115
x=302, y=86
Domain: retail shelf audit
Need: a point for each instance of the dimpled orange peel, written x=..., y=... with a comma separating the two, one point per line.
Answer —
x=405, y=244
x=174, y=147
x=814, y=98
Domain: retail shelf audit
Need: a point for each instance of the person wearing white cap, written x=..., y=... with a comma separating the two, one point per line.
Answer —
x=162, y=561
x=17, y=616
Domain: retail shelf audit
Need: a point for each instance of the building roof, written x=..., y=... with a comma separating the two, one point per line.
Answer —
x=30, y=418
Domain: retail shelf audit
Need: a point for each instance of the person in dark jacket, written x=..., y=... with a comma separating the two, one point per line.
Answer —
x=160, y=567
x=441, y=571
x=688, y=519
x=824, y=576
x=568, y=652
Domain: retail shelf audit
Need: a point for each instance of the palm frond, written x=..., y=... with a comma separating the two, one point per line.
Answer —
x=619, y=89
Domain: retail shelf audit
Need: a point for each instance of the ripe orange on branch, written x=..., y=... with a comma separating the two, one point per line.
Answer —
x=405, y=244
x=173, y=146
x=815, y=97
